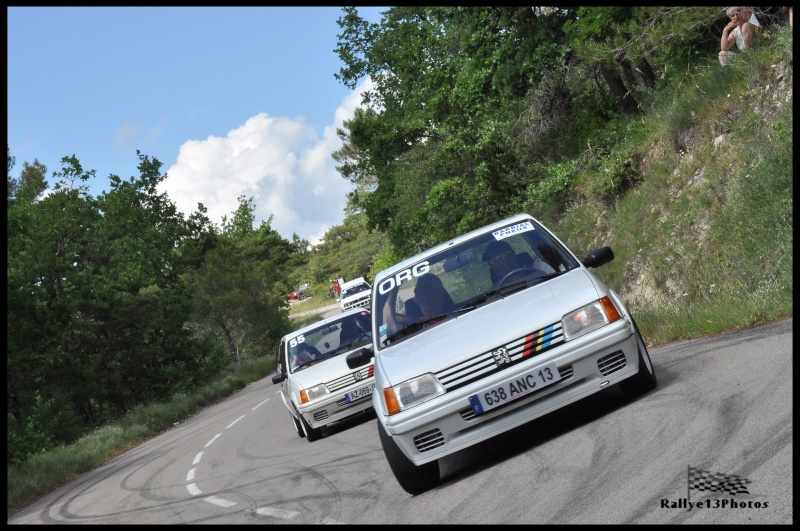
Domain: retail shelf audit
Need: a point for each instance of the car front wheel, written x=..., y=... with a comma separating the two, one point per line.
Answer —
x=312, y=434
x=414, y=479
x=297, y=426
x=644, y=380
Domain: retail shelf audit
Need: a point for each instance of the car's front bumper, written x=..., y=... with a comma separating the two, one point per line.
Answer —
x=349, y=304
x=334, y=407
x=448, y=424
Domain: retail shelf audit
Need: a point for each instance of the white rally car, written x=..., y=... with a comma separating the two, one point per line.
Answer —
x=355, y=293
x=486, y=332
x=317, y=386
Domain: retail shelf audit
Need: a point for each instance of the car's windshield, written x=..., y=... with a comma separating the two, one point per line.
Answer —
x=325, y=341
x=466, y=276
x=358, y=288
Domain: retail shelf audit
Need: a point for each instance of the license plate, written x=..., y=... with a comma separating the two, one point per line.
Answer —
x=515, y=388
x=361, y=392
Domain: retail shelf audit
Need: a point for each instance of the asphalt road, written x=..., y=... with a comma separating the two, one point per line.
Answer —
x=724, y=404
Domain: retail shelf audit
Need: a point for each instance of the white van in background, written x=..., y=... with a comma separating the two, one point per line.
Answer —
x=354, y=294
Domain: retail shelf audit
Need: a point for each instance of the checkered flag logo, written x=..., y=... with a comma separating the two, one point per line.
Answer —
x=704, y=480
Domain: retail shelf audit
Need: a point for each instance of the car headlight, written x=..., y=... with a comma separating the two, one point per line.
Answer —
x=412, y=392
x=313, y=392
x=590, y=317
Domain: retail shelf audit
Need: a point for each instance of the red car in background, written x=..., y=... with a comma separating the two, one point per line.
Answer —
x=300, y=293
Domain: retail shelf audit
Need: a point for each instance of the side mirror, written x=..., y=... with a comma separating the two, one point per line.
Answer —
x=278, y=378
x=360, y=357
x=598, y=257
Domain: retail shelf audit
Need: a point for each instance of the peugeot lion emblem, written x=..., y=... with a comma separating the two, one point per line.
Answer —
x=501, y=356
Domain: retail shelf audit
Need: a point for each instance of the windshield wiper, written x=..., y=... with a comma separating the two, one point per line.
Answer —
x=350, y=346
x=548, y=276
x=415, y=327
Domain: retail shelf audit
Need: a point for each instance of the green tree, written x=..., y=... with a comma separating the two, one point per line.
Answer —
x=348, y=249
x=97, y=302
x=239, y=292
x=449, y=84
x=47, y=242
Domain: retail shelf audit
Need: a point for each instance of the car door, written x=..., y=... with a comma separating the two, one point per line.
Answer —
x=285, y=368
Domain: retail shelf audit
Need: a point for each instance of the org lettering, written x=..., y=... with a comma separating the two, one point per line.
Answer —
x=407, y=274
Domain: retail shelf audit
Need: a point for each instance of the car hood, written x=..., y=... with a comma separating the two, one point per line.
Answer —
x=327, y=370
x=489, y=326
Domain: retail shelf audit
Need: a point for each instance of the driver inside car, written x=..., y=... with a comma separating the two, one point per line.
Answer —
x=304, y=354
x=503, y=260
x=432, y=297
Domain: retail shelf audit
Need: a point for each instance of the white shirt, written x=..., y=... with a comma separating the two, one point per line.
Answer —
x=737, y=32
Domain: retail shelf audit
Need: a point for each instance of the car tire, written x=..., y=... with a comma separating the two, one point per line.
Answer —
x=644, y=380
x=297, y=426
x=312, y=434
x=414, y=479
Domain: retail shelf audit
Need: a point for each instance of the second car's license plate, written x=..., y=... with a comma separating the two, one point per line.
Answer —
x=514, y=388
x=361, y=392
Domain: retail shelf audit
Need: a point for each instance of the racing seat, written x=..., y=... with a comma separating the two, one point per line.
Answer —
x=412, y=309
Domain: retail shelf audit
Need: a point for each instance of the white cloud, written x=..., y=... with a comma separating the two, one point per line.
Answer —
x=280, y=162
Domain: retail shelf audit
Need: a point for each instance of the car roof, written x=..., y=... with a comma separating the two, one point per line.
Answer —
x=332, y=319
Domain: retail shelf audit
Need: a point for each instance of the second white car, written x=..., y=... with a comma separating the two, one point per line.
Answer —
x=317, y=386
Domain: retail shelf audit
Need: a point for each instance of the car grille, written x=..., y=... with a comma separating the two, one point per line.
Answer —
x=611, y=363
x=357, y=304
x=320, y=415
x=349, y=379
x=484, y=364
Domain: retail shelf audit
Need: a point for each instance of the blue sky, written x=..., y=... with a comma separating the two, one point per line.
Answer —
x=232, y=100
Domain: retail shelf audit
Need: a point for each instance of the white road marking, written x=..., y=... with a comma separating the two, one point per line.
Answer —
x=219, y=502
x=280, y=513
x=262, y=403
x=234, y=422
x=194, y=490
